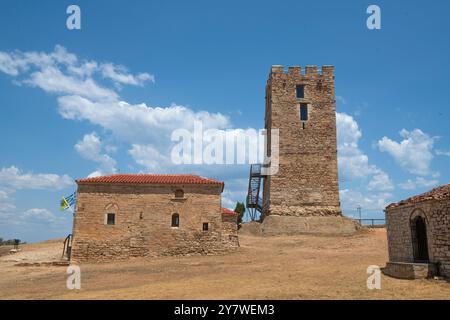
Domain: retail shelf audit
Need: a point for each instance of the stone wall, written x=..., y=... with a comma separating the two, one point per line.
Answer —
x=230, y=230
x=143, y=222
x=437, y=219
x=275, y=225
x=307, y=181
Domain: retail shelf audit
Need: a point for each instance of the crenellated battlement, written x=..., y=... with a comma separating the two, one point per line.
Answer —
x=325, y=70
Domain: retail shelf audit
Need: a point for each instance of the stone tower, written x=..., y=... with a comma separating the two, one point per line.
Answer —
x=301, y=104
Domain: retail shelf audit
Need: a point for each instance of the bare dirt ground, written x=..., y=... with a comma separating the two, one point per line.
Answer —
x=4, y=250
x=50, y=250
x=296, y=267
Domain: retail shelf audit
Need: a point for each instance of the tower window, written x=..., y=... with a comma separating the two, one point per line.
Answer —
x=205, y=226
x=111, y=219
x=303, y=112
x=300, y=91
x=175, y=220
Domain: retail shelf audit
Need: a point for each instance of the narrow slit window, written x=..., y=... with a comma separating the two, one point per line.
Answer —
x=175, y=220
x=205, y=226
x=111, y=219
x=300, y=91
x=303, y=112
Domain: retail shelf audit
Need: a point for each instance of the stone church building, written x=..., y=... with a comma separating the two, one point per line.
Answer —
x=135, y=215
x=418, y=231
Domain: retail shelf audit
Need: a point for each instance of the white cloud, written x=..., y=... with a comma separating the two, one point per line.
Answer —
x=353, y=162
x=8, y=65
x=3, y=195
x=120, y=75
x=380, y=181
x=33, y=217
x=368, y=201
x=236, y=191
x=61, y=72
x=148, y=156
x=40, y=216
x=82, y=98
x=228, y=203
x=355, y=169
x=417, y=183
x=6, y=203
x=137, y=123
x=91, y=149
x=51, y=79
x=413, y=153
x=13, y=178
x=443, y=153
x=17, y=62
x=86, y=69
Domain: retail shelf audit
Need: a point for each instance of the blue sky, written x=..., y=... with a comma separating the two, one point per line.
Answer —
x=105, y=98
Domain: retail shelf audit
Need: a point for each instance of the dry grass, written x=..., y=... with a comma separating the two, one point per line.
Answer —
x=300, y=267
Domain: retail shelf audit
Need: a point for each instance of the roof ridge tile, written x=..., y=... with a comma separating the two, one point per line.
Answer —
x=437, y=193
x=141, y=178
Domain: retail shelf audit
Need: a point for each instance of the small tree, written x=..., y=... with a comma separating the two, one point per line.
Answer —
x=240, y=210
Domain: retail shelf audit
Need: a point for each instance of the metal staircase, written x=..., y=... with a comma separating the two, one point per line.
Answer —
x=254, y=201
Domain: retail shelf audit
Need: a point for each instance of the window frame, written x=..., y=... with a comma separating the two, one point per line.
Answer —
x=175, y=220
x=179, y=194
x=304, y=106
x=108, y=215
x=302, y=86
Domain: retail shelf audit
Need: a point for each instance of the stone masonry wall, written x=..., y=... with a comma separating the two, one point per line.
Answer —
x=307, y=181
x=143, y=222
x=230, y=230
x=437, y=219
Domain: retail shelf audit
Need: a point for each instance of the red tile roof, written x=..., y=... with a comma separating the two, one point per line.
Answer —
x=228, y=211
x=151, y=179
x=439, y=193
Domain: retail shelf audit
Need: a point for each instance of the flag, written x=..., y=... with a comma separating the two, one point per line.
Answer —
x=68, y=202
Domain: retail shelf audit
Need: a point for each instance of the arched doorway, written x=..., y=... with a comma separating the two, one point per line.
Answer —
x=419, y=238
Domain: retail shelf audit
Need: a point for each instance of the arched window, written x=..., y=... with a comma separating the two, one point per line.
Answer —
x=179, y=194
x=175, y=220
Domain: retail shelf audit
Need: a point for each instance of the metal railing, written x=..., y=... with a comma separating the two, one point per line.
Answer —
x=374, y=223
x=255, y=169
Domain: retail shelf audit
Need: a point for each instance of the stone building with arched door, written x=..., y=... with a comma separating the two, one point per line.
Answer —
x=418, y=231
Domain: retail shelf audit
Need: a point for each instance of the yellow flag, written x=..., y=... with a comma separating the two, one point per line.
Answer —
x=64, y=205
